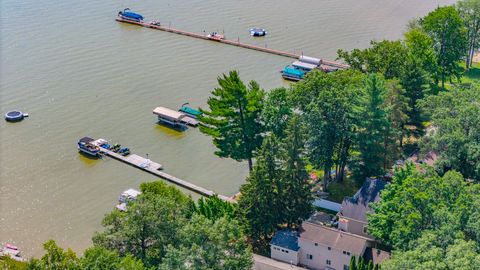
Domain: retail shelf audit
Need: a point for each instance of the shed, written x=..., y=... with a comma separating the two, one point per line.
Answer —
x=284, y=246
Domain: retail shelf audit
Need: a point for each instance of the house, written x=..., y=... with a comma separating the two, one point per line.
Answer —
x=318, y=246
x=284, y=246
x=352, y=217
x=328, y=248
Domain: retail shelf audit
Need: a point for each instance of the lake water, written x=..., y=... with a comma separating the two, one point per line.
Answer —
x=78, y=72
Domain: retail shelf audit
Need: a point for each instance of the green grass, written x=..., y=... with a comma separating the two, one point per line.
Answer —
x=473, y=75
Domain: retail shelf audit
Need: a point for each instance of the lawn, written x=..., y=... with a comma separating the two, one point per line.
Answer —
x=473, y=75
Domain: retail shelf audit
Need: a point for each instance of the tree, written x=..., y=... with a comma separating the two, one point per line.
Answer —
x=234, y=118
x=353, y=264
x=207, y=244
x=56, y=258
x=397, y=108
x=416, y=202
x=276, y=112
x=259, y=204
x=214, y=208
x=455, y=134
x=373, y=125
x=326, y=102
x=446, y=28
x=99, y=258
x=428, y=254
x=420, y=48
x=469, y=10
x=385, y=57
x=146, y=228
x=416, y=84
x=296, y=190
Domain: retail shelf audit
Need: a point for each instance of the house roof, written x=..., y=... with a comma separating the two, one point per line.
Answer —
x=286, y=239
x=357, y=207
x=375, y=255
x=333, y=238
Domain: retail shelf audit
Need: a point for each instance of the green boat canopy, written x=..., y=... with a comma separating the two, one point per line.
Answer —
x=190, y=111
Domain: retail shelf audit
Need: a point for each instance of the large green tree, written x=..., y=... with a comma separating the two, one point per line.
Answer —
x=416, y=83
x=209, y=245
x=446, y=28
x=385, y=57
x=146, y=228
x=455, y=136
x=420, y=48
x=419, y=201
x=99, y=258
x=428, y=252
x=373, y=127
x=260, y=203
x=276, y=112
x=470, y=12
x=55, y=258
x=233, y=118
x=295, y=188
x=327, y=104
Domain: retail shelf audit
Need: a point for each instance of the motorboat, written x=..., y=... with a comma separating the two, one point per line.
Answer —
x=87, y=145
x=258, y=32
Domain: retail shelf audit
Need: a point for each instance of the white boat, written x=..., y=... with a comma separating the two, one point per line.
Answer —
x=127, y=196
x=12, y=252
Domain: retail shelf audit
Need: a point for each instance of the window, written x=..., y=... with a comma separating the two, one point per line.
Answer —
x=365, y=229
x=329, y=262
x=329, y=248
x=286, y=251
x=316, y=244
x=310, y=256
x=345, y=267
x=346, y=253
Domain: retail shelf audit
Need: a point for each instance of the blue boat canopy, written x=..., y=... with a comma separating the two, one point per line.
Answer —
x=292, y=71
x=127, y=13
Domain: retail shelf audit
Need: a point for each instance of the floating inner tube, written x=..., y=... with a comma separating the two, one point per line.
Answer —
x=14, y=116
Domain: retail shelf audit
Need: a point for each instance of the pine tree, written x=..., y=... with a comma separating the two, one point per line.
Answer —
x=416, y=82
x=296, y=193
x=234, y=118
x=373, y=123
x=259, y=203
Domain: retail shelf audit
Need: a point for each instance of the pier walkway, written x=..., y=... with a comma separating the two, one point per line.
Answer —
x=155, y=169
x=229, y=42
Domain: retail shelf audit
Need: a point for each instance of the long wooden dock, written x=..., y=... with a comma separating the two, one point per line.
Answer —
x=226, y=41
x=154, y=168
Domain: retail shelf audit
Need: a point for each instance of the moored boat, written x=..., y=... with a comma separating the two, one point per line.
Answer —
x=292, y=74
x=215, y=36
x=12, y=252
x=126, y=14
x=87, y=145
x=190, y=111
x=258, y=32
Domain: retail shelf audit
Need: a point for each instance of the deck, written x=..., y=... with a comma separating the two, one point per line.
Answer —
x=155, y=169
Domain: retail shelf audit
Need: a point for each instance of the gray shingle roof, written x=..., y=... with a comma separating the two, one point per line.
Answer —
x=333, y=238
x=357, y=207
x=286, y=239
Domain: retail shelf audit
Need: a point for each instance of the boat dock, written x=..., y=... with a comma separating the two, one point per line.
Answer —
x=226, y=41
x=154, y=168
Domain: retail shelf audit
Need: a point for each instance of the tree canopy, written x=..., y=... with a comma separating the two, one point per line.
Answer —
x=233, y=118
